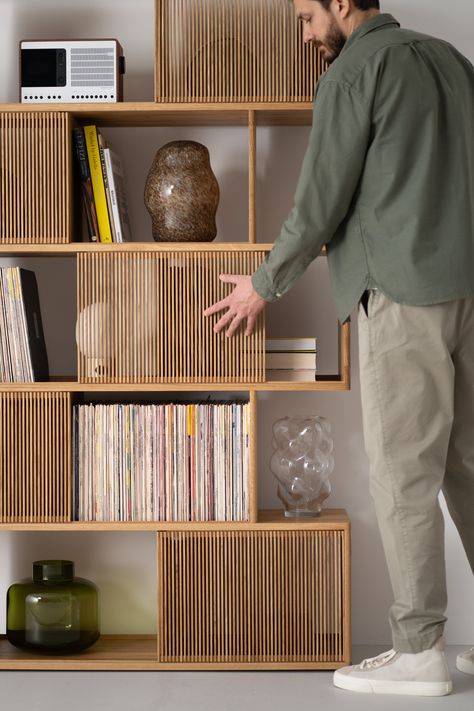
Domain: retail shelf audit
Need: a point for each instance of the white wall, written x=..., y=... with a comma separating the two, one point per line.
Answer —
x=123, y=564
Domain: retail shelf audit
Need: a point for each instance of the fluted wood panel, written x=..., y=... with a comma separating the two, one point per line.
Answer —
x=232, y=50
x=140, y=319
x=35, y=180
x=258, y=596
x=35, y=457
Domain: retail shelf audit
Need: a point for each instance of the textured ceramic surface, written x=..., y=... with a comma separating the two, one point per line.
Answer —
x=182, y=194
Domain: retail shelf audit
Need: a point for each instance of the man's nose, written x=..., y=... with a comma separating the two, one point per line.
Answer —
x=307, y=35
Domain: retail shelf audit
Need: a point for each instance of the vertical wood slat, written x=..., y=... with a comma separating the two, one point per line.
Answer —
x=35, y=457
x=128, y=334
x=35, y=184
x=260, y=596
x=252, y=176
x=232, y=50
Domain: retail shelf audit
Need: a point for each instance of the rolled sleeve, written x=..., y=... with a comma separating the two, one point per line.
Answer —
x=329, y=176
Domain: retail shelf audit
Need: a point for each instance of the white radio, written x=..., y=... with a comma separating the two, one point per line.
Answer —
x=69, y=71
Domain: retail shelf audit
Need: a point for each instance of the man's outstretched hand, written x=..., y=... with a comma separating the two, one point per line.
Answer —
x=242, y=303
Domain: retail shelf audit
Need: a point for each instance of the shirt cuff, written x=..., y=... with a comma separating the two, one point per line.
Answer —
x=263, y=286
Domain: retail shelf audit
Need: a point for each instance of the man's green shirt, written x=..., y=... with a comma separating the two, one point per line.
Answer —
x=387, y=181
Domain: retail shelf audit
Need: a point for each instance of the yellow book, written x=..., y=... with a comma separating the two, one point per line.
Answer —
x=98, y=186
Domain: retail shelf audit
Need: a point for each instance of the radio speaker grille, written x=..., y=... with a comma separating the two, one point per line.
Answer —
x=92, y=66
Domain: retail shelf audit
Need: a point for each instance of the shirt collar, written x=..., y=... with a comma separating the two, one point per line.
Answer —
x=374, y=23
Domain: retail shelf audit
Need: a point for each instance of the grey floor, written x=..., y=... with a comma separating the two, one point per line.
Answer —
x=206, y=691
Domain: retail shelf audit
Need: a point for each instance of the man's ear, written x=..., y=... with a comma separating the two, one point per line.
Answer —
x=343, y=8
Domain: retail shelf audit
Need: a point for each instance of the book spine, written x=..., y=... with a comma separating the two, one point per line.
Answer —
x=13, y=327
x=113, y=195
x=102, y=147
x=98, y=186
x=24, y=342
x=86, y=184
x=289, y=360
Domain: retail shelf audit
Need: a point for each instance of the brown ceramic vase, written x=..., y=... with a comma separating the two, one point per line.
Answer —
x=182, y=194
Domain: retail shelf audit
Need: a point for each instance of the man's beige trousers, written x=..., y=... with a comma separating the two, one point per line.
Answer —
x=417, y=387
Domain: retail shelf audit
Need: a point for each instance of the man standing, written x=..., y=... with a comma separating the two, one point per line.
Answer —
x=387, y=183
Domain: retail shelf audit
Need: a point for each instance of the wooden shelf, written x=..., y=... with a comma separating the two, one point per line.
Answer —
x=73, y=248
x=332, y=383
x=130, y=653
x=268, y=519
x=143, y=114
x=111, y=652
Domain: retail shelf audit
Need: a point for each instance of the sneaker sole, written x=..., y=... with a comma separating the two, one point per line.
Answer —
x=412, y=688
x=464, y=665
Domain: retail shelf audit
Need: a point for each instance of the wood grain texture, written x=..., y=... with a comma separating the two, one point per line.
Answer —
x=35, y=457
x=252, y=596
x=130, y=653
x=35, y=177
x=145, y=113
x=267, y=520
x=232, y=51
x=140, y=318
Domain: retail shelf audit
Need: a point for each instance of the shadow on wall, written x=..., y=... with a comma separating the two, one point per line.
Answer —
x=429, y=18
x=307, y=310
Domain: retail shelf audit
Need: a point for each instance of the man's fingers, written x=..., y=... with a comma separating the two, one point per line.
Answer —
x=231, y=278
x=218, y=306
x=233, y=326
x=223, y=321
x=250, y=325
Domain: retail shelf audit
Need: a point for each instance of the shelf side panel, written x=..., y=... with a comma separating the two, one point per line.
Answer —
x=252, y=596
x=35, y=458
x=233, y=51
x=140, y=319
x=35, y=182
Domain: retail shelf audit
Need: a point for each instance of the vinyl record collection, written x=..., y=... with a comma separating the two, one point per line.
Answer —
x=161, y=462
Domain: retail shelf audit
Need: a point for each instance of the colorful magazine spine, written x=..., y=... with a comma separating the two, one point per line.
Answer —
x=98, y=185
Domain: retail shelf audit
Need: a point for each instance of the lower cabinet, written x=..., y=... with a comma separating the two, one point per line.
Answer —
x=271, y=594
x=254, y=596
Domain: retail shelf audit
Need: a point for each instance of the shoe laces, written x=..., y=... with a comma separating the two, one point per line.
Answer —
x=378, y=661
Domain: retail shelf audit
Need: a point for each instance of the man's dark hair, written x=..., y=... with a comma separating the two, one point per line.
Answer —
x=360, y=4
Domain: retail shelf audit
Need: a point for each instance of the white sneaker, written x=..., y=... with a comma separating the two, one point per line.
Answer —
x=465, y=661
x=422, y=674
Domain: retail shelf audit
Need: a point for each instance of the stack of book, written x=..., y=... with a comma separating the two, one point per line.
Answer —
x=103, y=190
x=23, y=355
x=167, y=462
x=290, y=358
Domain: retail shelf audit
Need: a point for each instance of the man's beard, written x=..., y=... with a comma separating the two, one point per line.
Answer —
x=333, y=43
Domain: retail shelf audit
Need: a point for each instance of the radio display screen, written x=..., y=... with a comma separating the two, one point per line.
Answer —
x=43, y=67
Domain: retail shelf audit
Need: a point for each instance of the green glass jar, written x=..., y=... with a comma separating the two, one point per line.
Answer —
x=53, y=611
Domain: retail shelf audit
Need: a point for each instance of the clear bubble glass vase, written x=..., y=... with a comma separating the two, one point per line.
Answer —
x=302, y=462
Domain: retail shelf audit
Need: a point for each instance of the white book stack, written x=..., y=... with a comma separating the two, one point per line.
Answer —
x=290, y=358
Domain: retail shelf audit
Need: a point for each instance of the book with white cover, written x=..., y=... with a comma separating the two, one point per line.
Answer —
x=118, y=196
x=290, y=344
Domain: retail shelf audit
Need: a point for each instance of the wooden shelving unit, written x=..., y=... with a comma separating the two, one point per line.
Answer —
x=263, y=598
x=268, y=593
